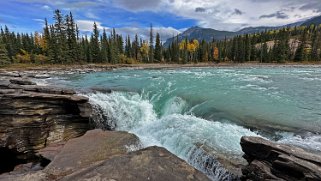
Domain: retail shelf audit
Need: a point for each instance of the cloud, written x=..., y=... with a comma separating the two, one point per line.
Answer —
x=65, y=4
x=91, y=15
x=46, y=7
x=143, y=32
x=87, y=25
x=230, y=14
x=200, y=10
x=219, y=14
x=278, y=15
x=237, y=12
x=138, y=5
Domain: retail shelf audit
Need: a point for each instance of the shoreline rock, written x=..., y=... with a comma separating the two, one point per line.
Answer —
x=105, y=155
x=272, y=161
x=33, y=117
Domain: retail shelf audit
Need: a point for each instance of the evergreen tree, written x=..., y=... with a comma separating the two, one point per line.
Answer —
x=158, y=48
x=265, y=53
x=300, y=54
x=72, y=53
x=95, y=48
x=60, y=38
x=315, y=45
x=151, y=45
x=128, y=47
x=104, y=47
x=4, y=59
x=136, y=47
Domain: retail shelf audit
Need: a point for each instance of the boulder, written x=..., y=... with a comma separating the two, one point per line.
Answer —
x=93, y=147
x=152, y=163
x=272, y=161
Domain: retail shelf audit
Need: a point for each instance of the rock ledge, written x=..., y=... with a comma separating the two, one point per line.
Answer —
x=271, y=161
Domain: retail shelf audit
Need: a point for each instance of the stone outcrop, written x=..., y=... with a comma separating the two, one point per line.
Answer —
x=93, y=147
x=110, y=155
x=271, y=161
x=33, y=117
x=152, y=163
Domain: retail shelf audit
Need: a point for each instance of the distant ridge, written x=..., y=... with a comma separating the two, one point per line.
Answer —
x=209, y=34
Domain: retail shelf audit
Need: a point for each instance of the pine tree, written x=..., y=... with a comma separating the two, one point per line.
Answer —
x=4, y=59
x=136, y=47
x=247, y=48
x=7, y=40
x=158, y=48
x=104, y=47
x=300, y=54
x=95, y=48
x=151, y=45
x=60, y=37
x=128, y=47
x=72, y=53
x=46, y=37
x=265, y=53
x=315, y=45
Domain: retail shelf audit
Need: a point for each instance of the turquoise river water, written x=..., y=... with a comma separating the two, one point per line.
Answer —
x=181, y=108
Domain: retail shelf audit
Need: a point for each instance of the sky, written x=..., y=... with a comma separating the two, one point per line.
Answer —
x=169, y=17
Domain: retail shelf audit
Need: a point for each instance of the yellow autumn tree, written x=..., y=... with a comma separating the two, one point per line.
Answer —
x=144, y=50
x=183, y=45
x=40, y=41
x=216, y=53
x=23, y=57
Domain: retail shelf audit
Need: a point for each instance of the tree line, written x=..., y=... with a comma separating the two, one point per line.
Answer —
x=62, y=43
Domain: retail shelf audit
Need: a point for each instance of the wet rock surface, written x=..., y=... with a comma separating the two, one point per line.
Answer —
x=271, y=161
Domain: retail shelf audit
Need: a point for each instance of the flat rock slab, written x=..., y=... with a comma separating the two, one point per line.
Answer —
x=152, y=163
x=94, y=146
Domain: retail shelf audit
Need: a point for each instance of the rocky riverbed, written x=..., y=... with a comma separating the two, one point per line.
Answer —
x=46, y=133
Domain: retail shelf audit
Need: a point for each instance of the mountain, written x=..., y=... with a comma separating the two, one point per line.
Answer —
x=201, y=34
x=315, y=20
x=208, y=34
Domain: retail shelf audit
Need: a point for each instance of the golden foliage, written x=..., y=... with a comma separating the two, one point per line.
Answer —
x=144, y=49
x=216, y=53
x=189, y=46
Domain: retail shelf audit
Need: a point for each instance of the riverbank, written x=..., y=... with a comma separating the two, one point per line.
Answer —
x=105, y=67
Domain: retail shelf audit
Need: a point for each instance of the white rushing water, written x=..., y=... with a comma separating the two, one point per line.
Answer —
x=176, y=131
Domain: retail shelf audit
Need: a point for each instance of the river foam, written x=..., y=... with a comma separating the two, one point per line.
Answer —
x=174, y=130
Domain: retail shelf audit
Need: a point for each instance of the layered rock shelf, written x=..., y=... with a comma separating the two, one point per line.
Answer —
x=33, y=117
x=272, y=161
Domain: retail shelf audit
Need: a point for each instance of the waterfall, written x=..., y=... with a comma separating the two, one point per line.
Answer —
x=174, y=130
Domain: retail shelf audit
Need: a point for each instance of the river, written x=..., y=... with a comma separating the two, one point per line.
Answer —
x=180, y=109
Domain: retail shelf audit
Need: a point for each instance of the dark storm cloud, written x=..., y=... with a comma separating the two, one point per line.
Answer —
x=138, y=4
x=200, y=10
x=238, y=12
x=278, y=15
x=312, y=5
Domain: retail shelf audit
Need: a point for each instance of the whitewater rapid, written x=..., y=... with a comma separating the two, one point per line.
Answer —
x=181, y=132
x=192, y=112
x=176, y=131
